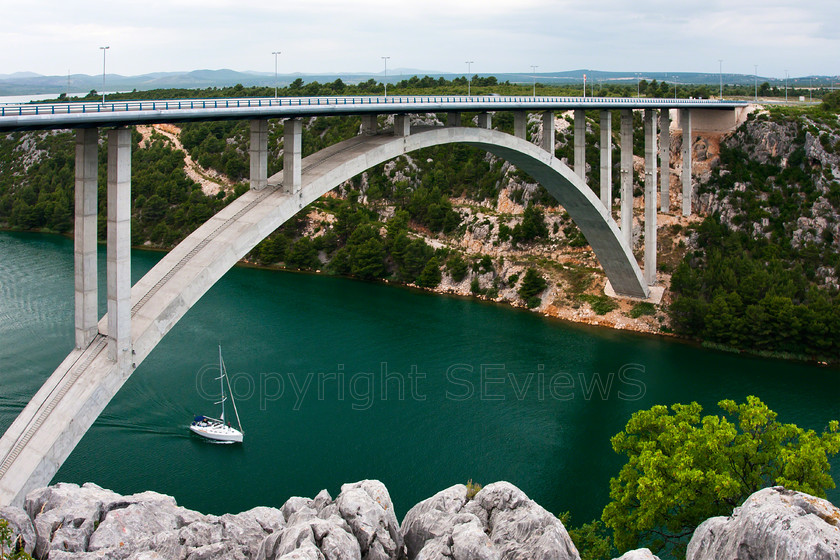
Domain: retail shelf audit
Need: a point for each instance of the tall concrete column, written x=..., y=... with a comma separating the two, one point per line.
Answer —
x=485, y=120
x=627, y=176
x=369, y=124
x=84, y=250
x=453, y=118
x=650, y=196
x=606, y=160
x=292, y=129
x=520, y=124
x=259, y=154
x=665, y=159
x=119, y=247
x=685, y=122
x=580, y=144
x=402, y=125
x=548, y=131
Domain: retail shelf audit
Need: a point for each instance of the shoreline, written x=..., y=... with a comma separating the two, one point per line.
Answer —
x=601, y=325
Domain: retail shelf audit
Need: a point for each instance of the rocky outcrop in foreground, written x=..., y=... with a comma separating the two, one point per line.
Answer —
x=772, y=523
x=66, y=521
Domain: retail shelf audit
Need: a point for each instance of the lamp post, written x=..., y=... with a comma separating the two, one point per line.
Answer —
x=786, y=82
x=756, y=82
x=385, y=81
x=469, y=78
x=534, y=70
x=720, y=70
x=275, y=53
x=638, y=84
x=103, y=49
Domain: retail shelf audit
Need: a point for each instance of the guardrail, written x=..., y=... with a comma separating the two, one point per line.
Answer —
x=19, y=110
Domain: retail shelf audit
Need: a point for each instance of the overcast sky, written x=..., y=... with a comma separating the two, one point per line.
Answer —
x=334, y=36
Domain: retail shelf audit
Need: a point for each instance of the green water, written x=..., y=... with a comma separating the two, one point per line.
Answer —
x=451, y=424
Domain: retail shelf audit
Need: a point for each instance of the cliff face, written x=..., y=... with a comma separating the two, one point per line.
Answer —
x=65, y=522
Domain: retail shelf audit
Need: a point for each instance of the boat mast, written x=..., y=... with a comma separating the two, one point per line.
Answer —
x=222, y=382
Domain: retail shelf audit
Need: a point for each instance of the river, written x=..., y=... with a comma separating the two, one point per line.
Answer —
x=339, y=380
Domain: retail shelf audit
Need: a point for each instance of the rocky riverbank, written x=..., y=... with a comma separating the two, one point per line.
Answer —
x=500, y=522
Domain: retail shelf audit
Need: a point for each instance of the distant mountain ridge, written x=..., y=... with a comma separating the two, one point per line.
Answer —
x=25, y=83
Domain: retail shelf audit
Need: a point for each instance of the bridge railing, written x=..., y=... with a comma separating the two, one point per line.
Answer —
x=256, y=102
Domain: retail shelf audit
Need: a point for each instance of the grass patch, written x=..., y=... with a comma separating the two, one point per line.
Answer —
x=642, y=308
x=601, y=305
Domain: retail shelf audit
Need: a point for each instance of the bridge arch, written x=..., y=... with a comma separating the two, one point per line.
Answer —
x=37, y=443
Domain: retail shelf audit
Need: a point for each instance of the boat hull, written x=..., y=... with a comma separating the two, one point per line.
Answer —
x=217, y=432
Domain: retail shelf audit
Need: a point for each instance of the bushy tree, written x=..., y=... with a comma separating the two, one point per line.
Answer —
x=532, y=285
x=683, y=468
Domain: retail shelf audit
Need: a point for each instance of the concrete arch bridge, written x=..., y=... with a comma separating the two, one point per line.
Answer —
x=108, y=349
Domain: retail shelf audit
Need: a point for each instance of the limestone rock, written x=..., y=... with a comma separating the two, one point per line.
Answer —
x=366, y=507
x=23, y=532
x=330, y=538
x=501, y=522
x=772, y=523
x=638, y=554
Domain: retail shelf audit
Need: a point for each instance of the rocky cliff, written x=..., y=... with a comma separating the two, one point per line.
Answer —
x=500, y=522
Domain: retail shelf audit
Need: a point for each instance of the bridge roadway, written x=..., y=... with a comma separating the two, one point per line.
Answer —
x=38, y=116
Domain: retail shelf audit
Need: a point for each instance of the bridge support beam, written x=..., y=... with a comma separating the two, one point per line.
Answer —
x=580, y=143
x=606, y=160
x=685, y=122
x=453, y=118
x=485, y=120
x=292, y=129
x=548, y=131
x=84, y=250
x=665, y=159
x=119, y=248
x=520, y=124
x=259, y=154
x=627, y=177
x=369, y=124
x=650, y=195
x=402, y=125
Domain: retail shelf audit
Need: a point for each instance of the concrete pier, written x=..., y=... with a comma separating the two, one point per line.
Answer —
x=548, y=131
x=259, y=154
x=606, y=160
x=453, y=118
x=580, y=143
x=485, y=120
x=369, y=125
x=627, y=176
x=402, y=125
x=520, y=124
x=84, y=245
x=685, y=122
x=650, y=195
x=665, y=160
x=119, y=248
x=292, y=129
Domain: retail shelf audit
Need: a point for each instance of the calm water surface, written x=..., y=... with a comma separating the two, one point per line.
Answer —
x=341, y=380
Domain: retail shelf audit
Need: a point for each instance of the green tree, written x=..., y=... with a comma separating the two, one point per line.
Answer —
x=532, y=285
x=431, y=276
x=683, y=468
x=532, y=226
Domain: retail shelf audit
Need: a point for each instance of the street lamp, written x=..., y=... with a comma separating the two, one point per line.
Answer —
x=756, y=82
x=638, y=84
x=103, y=49
x=786, y=82
x=469, y=79
x=720, y=70
x=534, y=70
x=275, y=53
x=385, y=81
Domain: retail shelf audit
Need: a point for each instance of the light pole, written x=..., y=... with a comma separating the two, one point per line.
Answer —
x=275, y=53
x=103, y=49
x=638, y=85
x=720, y=70
x=786, y=82
x=534, y=70
x=385, y=81
x=469, y=79
x=756, y=82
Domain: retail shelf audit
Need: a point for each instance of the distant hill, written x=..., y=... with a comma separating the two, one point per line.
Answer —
x=28, y=83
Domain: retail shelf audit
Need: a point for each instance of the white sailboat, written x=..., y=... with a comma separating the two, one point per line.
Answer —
x=216, y=428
